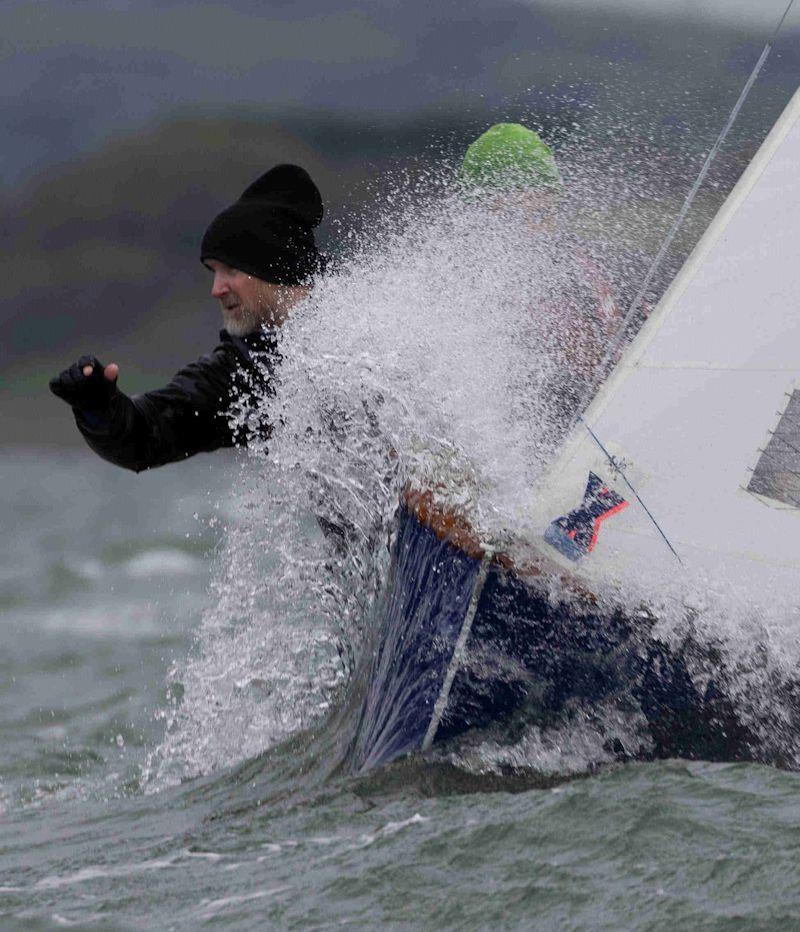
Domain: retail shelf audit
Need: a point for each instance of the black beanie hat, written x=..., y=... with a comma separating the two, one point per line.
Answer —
x=269, y=231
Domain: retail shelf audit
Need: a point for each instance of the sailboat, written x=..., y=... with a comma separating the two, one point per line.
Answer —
x=686, y=460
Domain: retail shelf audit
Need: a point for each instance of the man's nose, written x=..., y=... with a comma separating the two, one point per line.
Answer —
x=219, y=286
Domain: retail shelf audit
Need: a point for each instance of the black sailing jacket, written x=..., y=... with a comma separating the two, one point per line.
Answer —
x=190, y=414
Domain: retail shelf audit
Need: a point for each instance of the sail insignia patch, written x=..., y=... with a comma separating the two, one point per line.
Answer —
x=575, y=534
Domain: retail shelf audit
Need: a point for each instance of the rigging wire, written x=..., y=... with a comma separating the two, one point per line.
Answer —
x=640, y=295
x=655, y=265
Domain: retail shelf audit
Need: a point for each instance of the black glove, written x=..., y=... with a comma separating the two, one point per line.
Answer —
x=88, y=393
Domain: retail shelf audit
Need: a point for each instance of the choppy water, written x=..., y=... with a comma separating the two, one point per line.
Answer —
x=105, y=576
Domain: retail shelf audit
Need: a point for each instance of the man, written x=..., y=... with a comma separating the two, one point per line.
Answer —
x=511, y=171
x=263, y=255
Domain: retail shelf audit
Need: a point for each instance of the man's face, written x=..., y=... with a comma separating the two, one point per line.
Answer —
x=248, y=302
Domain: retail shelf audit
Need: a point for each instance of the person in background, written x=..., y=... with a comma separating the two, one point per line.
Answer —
x=263, y=256
x=509, y=169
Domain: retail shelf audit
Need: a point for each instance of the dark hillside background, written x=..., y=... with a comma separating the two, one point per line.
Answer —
x=127, y=126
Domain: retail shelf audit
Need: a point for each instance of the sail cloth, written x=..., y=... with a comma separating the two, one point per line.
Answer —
x=701, y=416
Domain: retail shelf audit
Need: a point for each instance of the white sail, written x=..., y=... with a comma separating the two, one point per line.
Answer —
x=702, y=413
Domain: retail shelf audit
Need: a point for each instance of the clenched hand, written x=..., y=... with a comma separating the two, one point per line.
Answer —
x=87, y=384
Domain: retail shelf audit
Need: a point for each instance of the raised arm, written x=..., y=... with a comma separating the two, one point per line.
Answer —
x=185, y=417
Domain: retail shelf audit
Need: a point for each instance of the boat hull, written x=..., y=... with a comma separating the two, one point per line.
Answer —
x=462, y=647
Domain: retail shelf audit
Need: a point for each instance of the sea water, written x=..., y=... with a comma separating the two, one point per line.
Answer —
x=180, y=649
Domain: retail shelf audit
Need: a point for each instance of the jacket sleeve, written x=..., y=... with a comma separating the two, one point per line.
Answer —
x=185, y=417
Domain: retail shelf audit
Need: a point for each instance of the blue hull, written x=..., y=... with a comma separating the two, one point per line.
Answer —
x=461, y=648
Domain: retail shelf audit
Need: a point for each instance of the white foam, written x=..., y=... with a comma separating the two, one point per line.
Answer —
x=123, y=619
x=97, y=872
x=165, y=561
x=210, y=908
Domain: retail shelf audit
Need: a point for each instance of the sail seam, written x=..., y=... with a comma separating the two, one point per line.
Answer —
x=691, y=367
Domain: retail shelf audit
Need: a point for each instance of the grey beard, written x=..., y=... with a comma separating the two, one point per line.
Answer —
x=240, y=326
